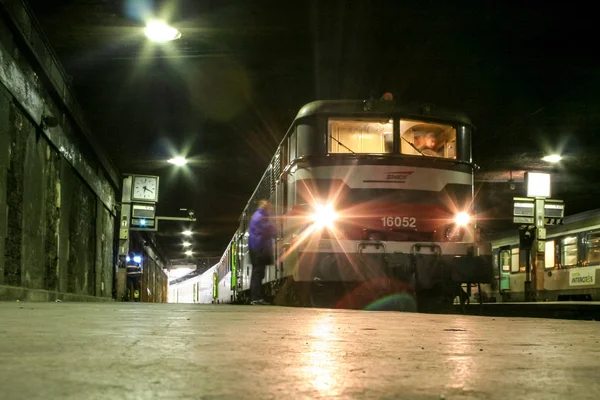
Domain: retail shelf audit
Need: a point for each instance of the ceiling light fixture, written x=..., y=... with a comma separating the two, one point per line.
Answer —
x=179, y=161
x=158, y=31
x=552, y=158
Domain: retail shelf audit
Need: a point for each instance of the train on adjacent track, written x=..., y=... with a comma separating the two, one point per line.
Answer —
x=571, y=267
x=372, y=200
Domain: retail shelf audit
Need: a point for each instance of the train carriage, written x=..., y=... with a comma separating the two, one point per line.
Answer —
x=194, y=289
x=571, y=268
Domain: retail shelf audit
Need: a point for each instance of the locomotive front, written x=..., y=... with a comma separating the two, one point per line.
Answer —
x=381, y=201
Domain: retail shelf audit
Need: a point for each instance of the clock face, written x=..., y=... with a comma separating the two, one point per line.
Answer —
x=145, y=188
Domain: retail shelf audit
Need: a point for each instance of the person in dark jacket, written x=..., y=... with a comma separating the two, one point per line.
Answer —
x=261, y=233
x=134, y=277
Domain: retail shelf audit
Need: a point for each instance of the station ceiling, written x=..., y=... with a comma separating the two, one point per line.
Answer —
x=225, y=93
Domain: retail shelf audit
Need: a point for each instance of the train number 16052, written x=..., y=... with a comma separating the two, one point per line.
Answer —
x=399, y=222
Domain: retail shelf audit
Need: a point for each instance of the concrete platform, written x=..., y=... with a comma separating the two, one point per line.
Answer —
x=172, y=351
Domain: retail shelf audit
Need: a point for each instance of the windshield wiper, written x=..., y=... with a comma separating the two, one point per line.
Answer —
x=346, y=147
x=414, y=147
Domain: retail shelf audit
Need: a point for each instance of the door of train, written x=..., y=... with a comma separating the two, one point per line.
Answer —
x=504, y=259
x=234, y=268
x=215, y=286
x=241, y=246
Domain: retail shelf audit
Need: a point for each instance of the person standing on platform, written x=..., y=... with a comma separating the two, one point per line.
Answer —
x=134, y=278
x=260, y=245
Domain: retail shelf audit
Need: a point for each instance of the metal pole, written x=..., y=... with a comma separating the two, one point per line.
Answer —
x=539, y=248
x=527, y=288
x=124, y=218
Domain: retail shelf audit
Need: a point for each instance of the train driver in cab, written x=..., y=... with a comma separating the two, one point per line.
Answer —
x=426, y=144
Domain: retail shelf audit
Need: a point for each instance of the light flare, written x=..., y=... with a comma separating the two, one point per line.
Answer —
x=552, y=158
x=324, y=216
x=178, y=161
x=159, y=31
x=462, y=218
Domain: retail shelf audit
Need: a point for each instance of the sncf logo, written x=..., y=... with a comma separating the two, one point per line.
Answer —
x=398, y=176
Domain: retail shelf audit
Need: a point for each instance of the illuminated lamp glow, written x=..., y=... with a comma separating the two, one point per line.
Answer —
x=137, y=259
x=187, y=233
x=186, y=244
x=462, y=218
x=158, y=31
x=538, y=184
x=179, y=161
x=189, y=253
x=552, y=158
x=324, y=216
x=142, y=222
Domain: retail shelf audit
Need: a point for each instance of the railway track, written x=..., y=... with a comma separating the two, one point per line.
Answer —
x=573, y=310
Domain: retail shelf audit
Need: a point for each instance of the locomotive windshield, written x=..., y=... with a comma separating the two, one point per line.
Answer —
x=427, y=139
x=362, y=136
x=369, y=136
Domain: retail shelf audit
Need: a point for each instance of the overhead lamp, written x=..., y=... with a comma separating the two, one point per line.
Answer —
x=186, y=244
x=187, y=233
x=159, y=31
x=189, y=253
x=179, y=161
x=552, y=158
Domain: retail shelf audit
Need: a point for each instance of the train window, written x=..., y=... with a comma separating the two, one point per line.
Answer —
x=569, y=251
x=427, y=139
x=361, y=136
x=284, y=156
x=292, y=147
x=505, y=261
x=514, y=262
x=305, y=140
x=549, y=255
x=592, y=248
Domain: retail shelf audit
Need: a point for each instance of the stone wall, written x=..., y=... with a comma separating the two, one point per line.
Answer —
x=57, y=188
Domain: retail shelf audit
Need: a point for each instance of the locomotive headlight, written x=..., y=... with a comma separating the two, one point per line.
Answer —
x=324, y=216
x=462, y=219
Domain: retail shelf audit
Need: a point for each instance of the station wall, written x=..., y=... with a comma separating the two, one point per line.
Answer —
x=57, y=188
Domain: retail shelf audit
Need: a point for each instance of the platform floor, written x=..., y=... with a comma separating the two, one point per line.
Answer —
x=172, y=351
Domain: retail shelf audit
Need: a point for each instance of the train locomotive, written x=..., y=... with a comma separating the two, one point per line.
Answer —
x=371, y=199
